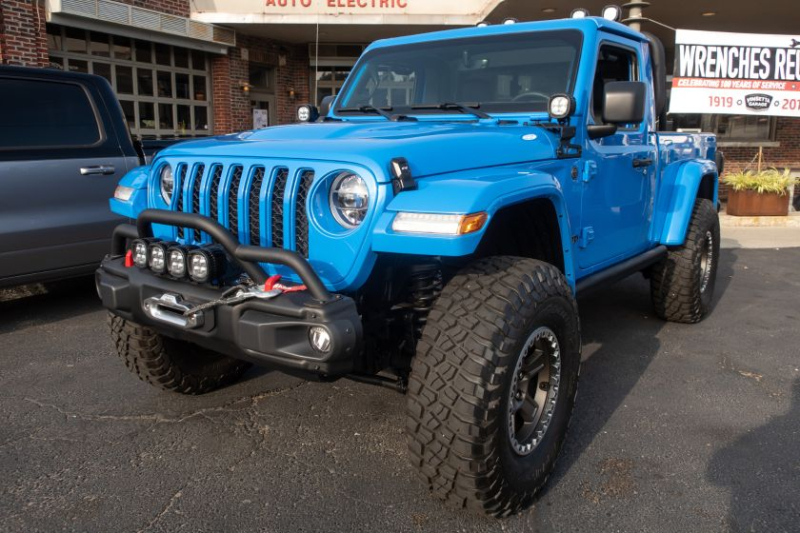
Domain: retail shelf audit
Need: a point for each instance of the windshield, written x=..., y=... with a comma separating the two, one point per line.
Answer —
x=506, y=73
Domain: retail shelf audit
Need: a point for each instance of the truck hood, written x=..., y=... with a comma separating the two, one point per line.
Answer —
x=430, y=147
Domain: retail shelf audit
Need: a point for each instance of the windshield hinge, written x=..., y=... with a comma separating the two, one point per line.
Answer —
x=589, y=170
x=402, y=180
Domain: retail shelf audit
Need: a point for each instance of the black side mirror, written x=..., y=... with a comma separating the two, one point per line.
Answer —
x=325, y=105
x=624, y=102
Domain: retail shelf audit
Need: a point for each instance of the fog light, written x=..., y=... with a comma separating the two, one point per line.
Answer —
x=176, y=261
x=320, y=339
x=139, y=249
x=157, y=256
x=200, y=266
x=579, y=13
x=561, y=106
x=612, y=12
x=205, y=264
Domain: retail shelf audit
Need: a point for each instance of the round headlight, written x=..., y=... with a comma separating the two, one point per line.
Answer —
x=349, y=199
x=167, y=183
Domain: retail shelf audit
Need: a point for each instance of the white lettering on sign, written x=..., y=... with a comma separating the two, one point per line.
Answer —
x=720, y=73
x=344, y=12
x=342, y=4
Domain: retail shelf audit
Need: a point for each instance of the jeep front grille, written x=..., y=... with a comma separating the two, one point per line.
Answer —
x=239, y=195
x=233, y=201
x=179, y=202
x=197, y=182
x=301, y=227
x=254, y=207
x=278, y=190
x=213, y=198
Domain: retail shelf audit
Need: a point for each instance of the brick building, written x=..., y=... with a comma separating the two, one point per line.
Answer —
x=201, y=67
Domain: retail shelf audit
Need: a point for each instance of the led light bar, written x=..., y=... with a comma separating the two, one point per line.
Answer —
x=436, y=224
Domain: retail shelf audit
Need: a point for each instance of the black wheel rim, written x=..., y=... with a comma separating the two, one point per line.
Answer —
x=534, y=390
x=706, y=261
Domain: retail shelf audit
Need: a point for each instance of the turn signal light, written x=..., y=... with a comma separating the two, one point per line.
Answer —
x=472, y=223
x=437, y=224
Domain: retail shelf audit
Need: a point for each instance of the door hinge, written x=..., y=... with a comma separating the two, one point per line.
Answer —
x=587, y=236
x=589, y=170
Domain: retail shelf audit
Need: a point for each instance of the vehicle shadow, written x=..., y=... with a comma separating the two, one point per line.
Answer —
x=769, y=454
x=21, y=307
x=619, y=331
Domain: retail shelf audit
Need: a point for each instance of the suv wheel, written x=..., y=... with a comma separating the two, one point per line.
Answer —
x=493, y=384
x=682, y=284
x=171, y=364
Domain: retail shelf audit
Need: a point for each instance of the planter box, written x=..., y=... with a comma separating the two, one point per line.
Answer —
x=752, y=204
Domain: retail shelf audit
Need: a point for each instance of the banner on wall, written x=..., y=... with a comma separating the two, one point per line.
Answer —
x=736, y=74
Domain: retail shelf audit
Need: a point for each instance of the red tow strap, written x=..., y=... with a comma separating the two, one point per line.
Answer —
x=272, y=284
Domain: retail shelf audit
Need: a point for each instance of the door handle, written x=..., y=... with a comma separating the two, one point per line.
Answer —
x=644, y=162
x=100, y=169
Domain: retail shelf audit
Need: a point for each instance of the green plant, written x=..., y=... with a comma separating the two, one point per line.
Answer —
x=771, y=181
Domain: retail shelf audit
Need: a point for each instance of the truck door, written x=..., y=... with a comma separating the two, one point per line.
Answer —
x=59, y=165
x=618, y=173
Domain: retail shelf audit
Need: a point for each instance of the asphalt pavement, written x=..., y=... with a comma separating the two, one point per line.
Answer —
x=677, y=428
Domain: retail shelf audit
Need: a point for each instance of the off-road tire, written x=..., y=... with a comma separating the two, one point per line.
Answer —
x=171, y=364
x=676, y=285
x=461, y=378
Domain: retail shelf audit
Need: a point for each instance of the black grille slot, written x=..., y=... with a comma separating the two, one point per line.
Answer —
x=254, y=207
x=233, y=201
x=278, y=191
x=213, y=199
x=197, y=181
x=301, y=215
x=179, y=191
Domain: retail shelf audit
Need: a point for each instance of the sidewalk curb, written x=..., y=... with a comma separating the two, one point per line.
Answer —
x=791, y=221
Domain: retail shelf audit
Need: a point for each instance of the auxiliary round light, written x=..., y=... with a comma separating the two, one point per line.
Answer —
x=579, y=13
x=176, y=261
x=561, y=106
x=199, y=264
x=510, y=21
x=166, y=180
x=483, y=24
x=349, y=199
x=205, y=264
x=307, y=113
x=320, y=339
x=157, y=256
x=612, y=12
x=139, y=249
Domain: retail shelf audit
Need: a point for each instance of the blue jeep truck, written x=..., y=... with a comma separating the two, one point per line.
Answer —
x=431, y=231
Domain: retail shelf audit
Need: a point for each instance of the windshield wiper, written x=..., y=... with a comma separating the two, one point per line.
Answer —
x=470, y=109
x=370, y=109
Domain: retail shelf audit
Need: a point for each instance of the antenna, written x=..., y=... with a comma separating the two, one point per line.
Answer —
x=316, y=60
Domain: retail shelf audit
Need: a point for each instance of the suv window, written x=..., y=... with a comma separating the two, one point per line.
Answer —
x=44, y=114
x=613, y=64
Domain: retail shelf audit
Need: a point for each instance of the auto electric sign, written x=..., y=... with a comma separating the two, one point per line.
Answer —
x=736, y=74
x=402, y=12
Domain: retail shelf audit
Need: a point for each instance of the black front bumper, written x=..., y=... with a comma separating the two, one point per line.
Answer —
x=272, y=332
